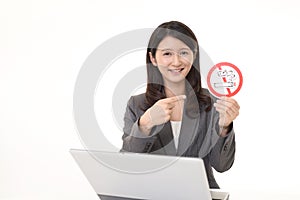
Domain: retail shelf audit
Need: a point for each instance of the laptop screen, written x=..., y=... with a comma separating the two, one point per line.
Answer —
x=120, y=176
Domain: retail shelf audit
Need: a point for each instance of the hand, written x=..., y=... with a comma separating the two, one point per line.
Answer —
x=228, y=109
x=159, y=113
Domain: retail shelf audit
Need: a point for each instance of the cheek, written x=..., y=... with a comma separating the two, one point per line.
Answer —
x=188, y=62
x=163, y=61
x=162, y=69
x=189, y=67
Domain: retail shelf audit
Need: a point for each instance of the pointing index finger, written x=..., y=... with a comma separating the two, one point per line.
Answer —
x=176, y=98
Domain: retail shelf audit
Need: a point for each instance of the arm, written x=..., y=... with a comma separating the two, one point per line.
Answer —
x=141, y=127
x=222, y=154
x=134, y=139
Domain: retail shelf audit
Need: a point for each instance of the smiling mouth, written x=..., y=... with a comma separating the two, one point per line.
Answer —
x=175, y=70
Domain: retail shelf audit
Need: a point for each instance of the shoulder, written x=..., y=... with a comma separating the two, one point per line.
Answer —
x=137, y=102
x=205, y=91
x=137, y=99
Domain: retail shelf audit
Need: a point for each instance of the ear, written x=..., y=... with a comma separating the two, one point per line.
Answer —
x=153, y=60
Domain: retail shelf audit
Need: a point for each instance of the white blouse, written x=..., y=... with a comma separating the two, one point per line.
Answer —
x=176, y=126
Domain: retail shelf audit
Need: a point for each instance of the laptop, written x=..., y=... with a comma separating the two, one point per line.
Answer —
x=136, y=176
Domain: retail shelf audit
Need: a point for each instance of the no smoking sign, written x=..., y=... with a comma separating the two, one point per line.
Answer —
x=224, y=79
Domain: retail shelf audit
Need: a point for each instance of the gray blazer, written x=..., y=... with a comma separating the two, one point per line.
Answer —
x=199, y=137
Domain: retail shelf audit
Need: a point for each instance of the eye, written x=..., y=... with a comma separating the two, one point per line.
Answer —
x=167, y=54
x=184, y=53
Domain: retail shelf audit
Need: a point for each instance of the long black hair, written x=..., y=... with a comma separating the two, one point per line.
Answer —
x=196, y=97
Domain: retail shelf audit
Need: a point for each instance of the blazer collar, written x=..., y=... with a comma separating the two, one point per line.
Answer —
x=166, y=138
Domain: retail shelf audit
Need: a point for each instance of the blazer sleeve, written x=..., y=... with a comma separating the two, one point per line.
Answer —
x=223, y=153
x=134, y=140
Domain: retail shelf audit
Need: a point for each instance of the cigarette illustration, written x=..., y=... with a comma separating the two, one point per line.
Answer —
x=224, y=85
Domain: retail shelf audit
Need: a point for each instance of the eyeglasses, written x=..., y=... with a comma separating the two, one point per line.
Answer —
x=184, y=53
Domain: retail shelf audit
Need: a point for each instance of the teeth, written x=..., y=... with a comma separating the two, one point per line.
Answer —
x=176, y=70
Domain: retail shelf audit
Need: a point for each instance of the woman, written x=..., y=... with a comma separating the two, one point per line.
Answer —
x=176, y=116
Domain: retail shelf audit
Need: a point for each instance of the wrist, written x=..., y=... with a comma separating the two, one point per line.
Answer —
x=224, y=130
x=224, y=127
x=145, y=122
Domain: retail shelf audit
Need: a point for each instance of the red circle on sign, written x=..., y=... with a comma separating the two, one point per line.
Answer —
x=219, y=65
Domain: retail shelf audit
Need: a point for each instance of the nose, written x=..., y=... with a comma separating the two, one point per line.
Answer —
x=176, y=60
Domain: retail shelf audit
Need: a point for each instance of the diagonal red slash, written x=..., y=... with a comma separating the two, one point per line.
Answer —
x=224, y=80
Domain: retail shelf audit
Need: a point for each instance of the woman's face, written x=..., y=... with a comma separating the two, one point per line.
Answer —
x=174, y=59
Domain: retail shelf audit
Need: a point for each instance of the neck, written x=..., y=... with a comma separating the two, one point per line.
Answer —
x=174, y=89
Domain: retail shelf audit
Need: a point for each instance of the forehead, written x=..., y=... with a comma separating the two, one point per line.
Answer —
x=170, y=42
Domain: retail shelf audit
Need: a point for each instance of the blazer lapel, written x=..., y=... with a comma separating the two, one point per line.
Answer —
x=166, y=138
x=189, y=129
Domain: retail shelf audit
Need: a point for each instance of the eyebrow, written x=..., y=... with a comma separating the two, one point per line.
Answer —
x=168, y=49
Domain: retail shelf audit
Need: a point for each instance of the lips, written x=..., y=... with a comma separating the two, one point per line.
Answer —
x=176, y=70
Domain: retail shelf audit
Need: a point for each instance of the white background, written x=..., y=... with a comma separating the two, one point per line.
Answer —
x=44, y=43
